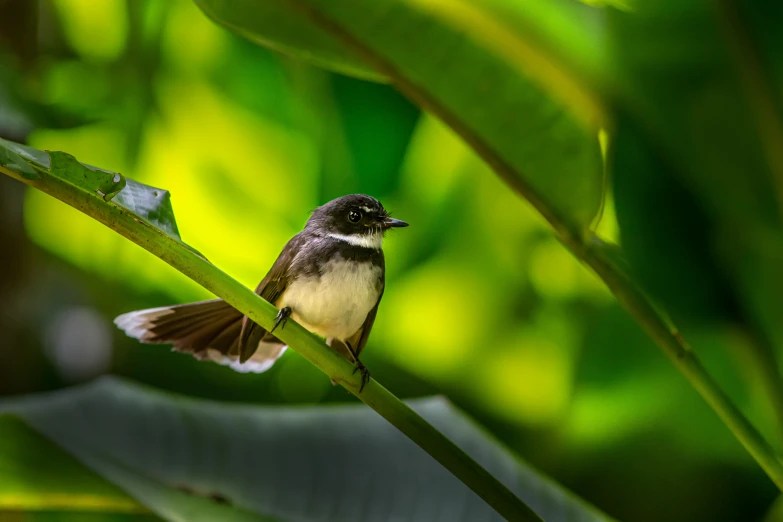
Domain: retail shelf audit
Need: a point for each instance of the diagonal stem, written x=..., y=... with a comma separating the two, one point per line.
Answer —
x=681, y=355
x=415, y=427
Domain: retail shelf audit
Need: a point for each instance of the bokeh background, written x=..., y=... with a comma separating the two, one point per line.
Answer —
x=482, y=303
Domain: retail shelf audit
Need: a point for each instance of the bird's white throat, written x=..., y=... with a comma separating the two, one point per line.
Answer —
x=365, y=240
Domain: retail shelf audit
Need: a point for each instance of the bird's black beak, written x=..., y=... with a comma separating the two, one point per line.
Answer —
x=393, y=223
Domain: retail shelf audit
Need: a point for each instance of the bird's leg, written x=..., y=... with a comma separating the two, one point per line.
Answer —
x=359, y=367
x=281, y=318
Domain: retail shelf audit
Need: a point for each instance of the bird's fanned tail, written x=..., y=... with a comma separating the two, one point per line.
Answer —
x=208, y=330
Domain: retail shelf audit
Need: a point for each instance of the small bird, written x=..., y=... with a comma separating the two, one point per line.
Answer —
x=329, y=277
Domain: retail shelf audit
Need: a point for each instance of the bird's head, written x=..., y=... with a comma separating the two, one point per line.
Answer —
x=356, y=218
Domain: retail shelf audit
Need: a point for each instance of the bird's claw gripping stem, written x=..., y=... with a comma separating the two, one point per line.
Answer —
x=281, y=318
x=365, y=374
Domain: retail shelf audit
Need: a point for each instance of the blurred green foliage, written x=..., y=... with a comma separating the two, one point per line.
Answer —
x=482, y=303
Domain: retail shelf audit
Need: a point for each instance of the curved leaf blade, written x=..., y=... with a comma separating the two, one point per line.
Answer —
x=11, y=158
x=32, y=156
x=149, y=204
x=290, y=463
x=495, y=84
x=276, y=27
x=103, y=183
x=37, y=475
x=152, y=203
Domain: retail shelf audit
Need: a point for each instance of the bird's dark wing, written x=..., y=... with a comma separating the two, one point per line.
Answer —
x=270, y=288
x=359, y=339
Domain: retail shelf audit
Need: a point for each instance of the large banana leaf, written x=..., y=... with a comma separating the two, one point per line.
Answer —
x=194, y=460
x=274, y=25
x=36, y=476
x=498, y=85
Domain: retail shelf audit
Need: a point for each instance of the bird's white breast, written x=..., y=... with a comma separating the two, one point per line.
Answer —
x=336, y=303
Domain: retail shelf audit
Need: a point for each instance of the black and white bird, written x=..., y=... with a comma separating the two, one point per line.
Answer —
x=329, y=277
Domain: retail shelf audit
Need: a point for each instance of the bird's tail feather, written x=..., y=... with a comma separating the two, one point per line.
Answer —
x=207, y=329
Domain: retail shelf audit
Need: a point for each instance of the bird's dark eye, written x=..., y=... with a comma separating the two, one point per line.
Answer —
x=354, y=216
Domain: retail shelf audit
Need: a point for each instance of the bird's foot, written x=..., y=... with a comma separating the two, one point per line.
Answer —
x=359, y=367
x=281, y=318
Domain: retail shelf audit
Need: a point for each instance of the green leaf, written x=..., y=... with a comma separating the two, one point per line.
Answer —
x=276, y=26
x=289, y=463
x=35, y=474
x=28, y=154
x=11, y=159
x=102, y=182
x=149, y=204
x=152, y=203
x=74, y=516
x=497, y=84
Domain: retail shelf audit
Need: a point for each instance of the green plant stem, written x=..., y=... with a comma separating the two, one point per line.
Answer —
x=761, y=356
x=681, y=355
x=634, y=301
x=309, y=346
